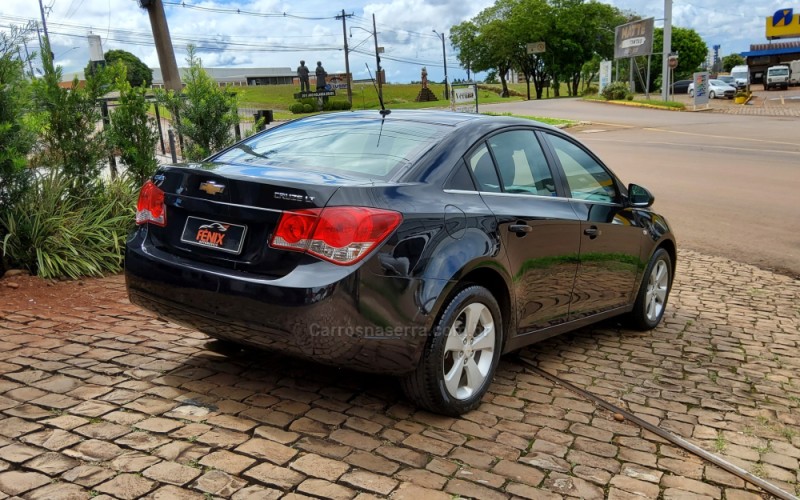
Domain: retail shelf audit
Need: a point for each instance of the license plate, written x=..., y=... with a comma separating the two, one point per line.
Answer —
x=212, y=234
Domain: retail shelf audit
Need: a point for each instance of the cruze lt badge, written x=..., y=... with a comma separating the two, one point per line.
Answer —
x=212, y=235
x=293, y=197
x=211, y=187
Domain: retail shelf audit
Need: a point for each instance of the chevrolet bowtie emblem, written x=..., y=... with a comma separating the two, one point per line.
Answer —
x=211, y=187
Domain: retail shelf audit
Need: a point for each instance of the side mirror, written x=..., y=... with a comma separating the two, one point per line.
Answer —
x=639, y=197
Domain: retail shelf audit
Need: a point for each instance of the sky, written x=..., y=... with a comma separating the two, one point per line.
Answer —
x=283, y=33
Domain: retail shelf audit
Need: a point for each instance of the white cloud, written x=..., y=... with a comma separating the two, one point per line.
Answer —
x=404, y=30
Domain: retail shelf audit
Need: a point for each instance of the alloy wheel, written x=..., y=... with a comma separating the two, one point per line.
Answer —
x=469, y=351
x=657, y=287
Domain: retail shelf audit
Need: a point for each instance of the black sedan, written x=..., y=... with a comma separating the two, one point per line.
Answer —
x=415, y=243
x=681, y=87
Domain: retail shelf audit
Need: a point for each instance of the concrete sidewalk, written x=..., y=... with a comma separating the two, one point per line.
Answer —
x=104, y=401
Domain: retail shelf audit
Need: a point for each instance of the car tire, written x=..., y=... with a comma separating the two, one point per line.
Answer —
x=443, y=381
x=712, y=95
x=651, y=302
x=691, y=93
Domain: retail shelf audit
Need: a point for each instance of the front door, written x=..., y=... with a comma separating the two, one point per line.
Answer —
x=610, y=239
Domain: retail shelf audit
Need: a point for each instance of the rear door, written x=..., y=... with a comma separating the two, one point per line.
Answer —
x=610, y=239
x=539, y=229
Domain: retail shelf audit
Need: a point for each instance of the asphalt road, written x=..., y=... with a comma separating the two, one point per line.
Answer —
x=728, y=184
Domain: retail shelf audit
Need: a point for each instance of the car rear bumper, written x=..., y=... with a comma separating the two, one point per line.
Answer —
x=363, y=321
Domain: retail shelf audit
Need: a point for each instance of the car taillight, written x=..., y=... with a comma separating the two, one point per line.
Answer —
x=151, y=208
x=342, y=235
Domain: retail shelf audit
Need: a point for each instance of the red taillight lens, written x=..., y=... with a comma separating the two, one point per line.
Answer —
x=342, y=235
x=151, y=208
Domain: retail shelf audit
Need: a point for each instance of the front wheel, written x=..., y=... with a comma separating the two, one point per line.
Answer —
x=691, y=93
x=461, y=355
x=653, y=292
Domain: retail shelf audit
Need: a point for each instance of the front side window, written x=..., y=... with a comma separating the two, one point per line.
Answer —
x=587, y=179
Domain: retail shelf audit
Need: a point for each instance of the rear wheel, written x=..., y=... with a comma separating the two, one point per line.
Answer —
x=712, y=95
x=461, y=355
x=691, y=93
x=653, y=292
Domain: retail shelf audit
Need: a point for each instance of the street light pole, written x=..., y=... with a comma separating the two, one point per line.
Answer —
x=667, y=48
x=444, y=60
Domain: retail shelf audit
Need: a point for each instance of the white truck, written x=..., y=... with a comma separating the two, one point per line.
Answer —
x=794, y=72
x=741, y=76
x=777, y=76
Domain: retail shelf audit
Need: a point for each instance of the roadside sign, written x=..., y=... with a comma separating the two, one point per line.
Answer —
x=634, y=39
x=464, y=98
x=536, y=47
x=673, y=62
x=381, y=50
x=700, y=81
x=605, y=75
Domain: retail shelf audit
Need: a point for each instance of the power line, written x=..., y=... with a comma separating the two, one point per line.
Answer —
x=244, y=12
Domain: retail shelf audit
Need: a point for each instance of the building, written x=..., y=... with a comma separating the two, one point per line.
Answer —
x=763, y=55
x=238, y=77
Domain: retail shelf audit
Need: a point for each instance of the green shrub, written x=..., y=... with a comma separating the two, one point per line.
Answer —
x=616, y=91
x=346, y=105
x=206, y=111
x=132, y=132
x=590, y=90
x=307, y=108
x=296, y=108
x=56, y=234
x=629, y=97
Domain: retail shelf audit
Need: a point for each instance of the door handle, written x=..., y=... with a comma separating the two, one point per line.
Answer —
x=592, y=232
x=520, y=229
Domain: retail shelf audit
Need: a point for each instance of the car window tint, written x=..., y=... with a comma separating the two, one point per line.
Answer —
x=587, y=179
x=460, y=178
x=522, y=164
x=482, y=166
x=361, y=147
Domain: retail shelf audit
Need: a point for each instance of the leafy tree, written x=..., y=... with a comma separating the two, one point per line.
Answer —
x=71, y=139
x=691, y=48
x=138, y=73
x=132, y=131
x=464, y=37
x=16, y=134
x=206, y=112
x=729, y=61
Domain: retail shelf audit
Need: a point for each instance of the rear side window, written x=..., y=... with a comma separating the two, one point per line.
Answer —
x=364, y=147
x=460, y=179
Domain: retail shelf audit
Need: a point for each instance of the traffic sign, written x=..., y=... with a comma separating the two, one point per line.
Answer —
x=536, y=47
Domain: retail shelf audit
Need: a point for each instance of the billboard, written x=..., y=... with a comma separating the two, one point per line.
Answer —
x=634, y=39
x=605, y=75
x=700, y=81
x=784, y=23
x=464, y=99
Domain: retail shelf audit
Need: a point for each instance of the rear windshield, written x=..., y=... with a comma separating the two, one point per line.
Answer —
x=363, y=147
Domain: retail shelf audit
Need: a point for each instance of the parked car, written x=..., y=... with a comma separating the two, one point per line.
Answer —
x=681, y=86
x=727, y=79
x=716, y=88
x=422, y=244
x=741, y=75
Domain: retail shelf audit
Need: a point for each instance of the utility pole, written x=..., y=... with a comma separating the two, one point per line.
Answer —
x=667, y=48
x=377, y=58
x=46, y=34
x=444, y=60
x=346, y=56
x=166, y=54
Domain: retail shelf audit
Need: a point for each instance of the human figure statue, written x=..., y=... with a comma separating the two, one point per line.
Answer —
x=302, y=73
x=424, y=77
x=321, y=74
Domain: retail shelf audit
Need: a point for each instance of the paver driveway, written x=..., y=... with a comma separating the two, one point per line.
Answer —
x=106, y=401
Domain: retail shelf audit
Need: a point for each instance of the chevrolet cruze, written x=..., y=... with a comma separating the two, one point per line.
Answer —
x=421, y=244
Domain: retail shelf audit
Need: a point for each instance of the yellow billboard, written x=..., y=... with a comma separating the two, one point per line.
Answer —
x=784, y=23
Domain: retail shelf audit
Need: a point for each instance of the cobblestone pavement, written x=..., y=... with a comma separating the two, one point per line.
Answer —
x=105, y=401
x=764, y=103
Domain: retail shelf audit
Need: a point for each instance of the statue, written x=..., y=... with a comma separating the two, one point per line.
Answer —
x=302, y=73
x=424, y=77
x=321, y=74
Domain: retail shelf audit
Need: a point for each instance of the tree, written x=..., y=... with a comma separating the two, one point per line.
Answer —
x=463, y=36
x=17, y=136
x=132, y=131
x=729, y=61
x=206, y=112
x=138, y=72
x=71, y=139
x=691, y=48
